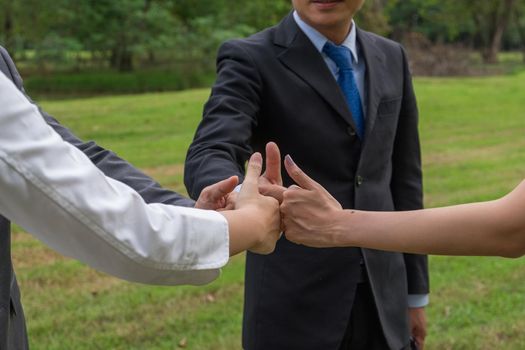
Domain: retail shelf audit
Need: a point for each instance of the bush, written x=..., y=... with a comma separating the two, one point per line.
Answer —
x=60, y=85
x=428, y=59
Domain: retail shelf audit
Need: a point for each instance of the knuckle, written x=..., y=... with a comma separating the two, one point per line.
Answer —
x=284, y=208
x=274, y=201
x=256, y=166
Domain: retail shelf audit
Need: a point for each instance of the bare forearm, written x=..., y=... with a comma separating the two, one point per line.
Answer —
x=239, y=230
x=311, y=216
x=489, y=228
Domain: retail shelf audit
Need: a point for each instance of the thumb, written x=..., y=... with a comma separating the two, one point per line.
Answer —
x=274, y=191
x=222, y=188
x=251, y=180
x=273, y=164
x=298, y=175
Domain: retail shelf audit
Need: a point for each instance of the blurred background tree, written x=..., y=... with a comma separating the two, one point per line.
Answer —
x=181, y=37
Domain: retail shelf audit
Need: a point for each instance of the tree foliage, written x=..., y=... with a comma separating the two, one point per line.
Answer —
x=483, y=25
x=124, y=33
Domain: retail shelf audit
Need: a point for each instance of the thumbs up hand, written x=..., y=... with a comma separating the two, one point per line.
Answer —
x=308, y=211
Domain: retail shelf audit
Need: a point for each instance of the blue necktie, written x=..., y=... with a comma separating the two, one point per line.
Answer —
x=342, y=58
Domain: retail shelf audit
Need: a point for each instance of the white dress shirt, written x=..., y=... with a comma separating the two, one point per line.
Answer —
x=358, y=62
x=53, y=191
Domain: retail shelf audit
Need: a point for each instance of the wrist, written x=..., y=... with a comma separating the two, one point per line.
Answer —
x=355, y=227
x=240, y=240
x=339, y=225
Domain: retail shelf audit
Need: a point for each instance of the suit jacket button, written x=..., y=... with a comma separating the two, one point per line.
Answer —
x=359, y=181
x=351, y=131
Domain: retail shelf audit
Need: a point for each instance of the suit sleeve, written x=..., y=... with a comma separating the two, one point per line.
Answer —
x=221, y=144
x=406, y=185
x=107, y=161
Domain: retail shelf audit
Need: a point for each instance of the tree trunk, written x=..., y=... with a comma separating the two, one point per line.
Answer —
x=126, y=62
x=8, y=27
x=520, y=26
x=498, y=29
x=481, y=34
x=150, y=52
x=121, y=58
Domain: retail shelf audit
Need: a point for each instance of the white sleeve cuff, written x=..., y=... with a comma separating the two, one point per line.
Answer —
x=418, y=300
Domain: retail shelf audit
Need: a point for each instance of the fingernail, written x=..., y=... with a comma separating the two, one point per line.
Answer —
x=256, y=157
x=289, y=160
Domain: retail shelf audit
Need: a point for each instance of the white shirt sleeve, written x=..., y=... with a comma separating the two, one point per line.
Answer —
x=53, y=191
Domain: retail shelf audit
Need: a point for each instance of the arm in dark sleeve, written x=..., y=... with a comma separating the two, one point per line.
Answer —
x=406, y=186
x=119, y=169
x=105, y=160
x=221, y=144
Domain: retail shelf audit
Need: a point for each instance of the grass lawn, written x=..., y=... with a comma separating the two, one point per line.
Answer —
x=473, y=136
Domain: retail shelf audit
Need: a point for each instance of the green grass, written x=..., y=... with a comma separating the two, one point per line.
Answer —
x=473, y=135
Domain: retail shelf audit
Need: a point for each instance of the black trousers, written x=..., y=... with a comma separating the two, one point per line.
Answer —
x=364, y=328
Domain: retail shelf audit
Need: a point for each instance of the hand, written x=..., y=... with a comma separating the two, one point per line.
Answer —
x=309, y=213
x=418, y=325
x=271, y=182
x=264, y=210
x=255, y=223
x=218, y=196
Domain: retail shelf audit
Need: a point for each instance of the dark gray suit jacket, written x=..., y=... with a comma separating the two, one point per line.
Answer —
x=275, y=86
x=12, y=326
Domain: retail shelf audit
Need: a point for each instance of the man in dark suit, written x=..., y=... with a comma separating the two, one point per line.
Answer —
x=12, y=325
x=351, y=123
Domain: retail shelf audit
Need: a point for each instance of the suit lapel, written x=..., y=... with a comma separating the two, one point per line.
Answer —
x=374, y=59
x=301, y=57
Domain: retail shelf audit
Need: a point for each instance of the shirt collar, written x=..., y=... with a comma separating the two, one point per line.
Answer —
x=319, y=39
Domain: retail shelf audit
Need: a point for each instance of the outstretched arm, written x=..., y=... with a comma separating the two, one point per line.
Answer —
x=52, y=190
x=488, y=228
x=313, y=217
